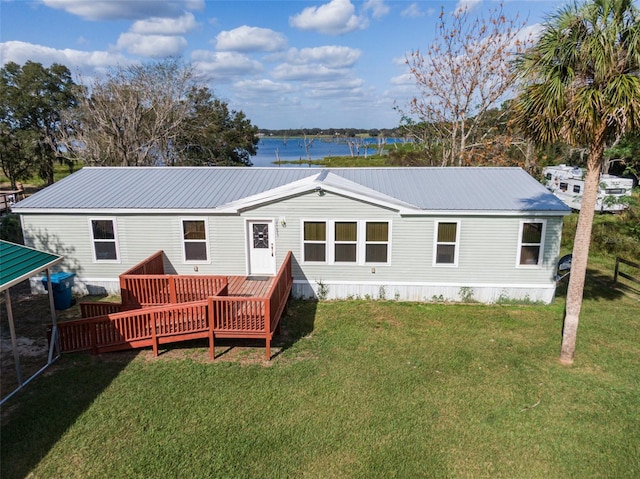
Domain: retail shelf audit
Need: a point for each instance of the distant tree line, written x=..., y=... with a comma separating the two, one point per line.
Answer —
x=136, y=115
x=396, y=132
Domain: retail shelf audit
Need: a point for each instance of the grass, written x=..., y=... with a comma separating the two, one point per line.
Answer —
x=361, y=389
x=36, y=183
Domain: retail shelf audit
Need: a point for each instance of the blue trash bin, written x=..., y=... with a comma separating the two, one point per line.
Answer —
x=61, y=284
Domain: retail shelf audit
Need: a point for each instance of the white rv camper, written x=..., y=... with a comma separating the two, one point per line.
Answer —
x=567, y=183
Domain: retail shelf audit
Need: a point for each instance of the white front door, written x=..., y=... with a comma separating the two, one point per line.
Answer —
x=261, y=243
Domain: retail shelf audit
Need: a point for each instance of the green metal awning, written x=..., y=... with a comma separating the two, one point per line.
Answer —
x=18, y=263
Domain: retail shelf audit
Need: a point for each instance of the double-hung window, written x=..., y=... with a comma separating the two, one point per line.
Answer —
x=194, y=240
x=531, y=243
x=344, y=242
x=447, y=240
x=377, y=242
x=315, y=241
x=104, y=237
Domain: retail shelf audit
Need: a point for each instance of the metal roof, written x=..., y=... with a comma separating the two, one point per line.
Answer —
x=208, y=188
x=18, y=263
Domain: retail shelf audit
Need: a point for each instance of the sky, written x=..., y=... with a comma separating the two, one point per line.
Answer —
x=285, y=64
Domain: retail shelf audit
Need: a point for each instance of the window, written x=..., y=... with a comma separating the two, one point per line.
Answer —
x=576, y=188
x=194, y=239
x=377, y=242
x=531, y=243
x=104, y=237
x=315, y=241
x=614, y=191
x=446, y=247
x=563, y=186
x=346, y=242
x=548, y=176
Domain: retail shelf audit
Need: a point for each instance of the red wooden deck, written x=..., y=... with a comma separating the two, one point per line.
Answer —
x=160, y=309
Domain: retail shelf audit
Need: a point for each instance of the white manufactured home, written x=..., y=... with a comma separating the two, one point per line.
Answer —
x=567, y=183
x=416, y=234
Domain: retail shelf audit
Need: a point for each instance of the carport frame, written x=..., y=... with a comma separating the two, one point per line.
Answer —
x=19, y=263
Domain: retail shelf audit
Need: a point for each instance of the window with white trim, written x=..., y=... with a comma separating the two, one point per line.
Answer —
x=194, y=240
x=315, y=241
x=346, y=241
x=104, y=237
x=377, y=242
x=531, y=243
x=447, y=239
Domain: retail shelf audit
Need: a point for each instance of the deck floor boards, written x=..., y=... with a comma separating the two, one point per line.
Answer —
x=245, y=286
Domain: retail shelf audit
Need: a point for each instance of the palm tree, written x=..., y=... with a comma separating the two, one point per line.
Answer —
x=582, y=86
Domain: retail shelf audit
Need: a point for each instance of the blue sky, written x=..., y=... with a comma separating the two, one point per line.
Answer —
x=285, y=64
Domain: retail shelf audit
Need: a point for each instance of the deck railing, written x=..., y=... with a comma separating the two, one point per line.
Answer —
x=136, y=328
x=154, y=264
x=196, y=307
x=148, y=290
x=240, y=317
x=92, y=309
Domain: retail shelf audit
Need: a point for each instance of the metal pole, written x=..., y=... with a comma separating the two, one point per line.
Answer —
x=55, y=340
x=14, y=339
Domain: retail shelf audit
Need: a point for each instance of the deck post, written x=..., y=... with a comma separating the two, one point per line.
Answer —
x=267, y=325
x=154, y=335
x=212, y=350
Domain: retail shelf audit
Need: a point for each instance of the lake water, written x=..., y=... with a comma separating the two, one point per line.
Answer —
x=292, y=149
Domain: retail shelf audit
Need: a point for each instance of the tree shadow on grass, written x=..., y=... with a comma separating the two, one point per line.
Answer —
x=598, y=286
x=35, y=419
x=296, y=323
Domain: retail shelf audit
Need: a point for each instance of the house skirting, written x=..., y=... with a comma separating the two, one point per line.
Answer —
x=424, y=292
x=400, y=291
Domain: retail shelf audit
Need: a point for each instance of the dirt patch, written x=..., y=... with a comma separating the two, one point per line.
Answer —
x=32, y=319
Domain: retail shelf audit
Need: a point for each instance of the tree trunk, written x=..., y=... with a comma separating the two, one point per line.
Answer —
x=580, y=257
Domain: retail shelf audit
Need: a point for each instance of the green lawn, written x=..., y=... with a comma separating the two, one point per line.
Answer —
x=360, y=390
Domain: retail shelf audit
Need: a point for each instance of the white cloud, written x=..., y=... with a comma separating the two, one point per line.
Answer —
x=77, y=61
x=224, y=66
x=333, y=18
x=404, y=79
x=333, y=87
x=307, y=72
x=329, y=56
x=377, y=7
x=119, y=10
x=260, y=88
x=165, y=25
x=152, y=45
x=413, y=11
x=250, y=39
